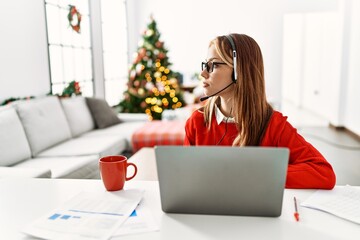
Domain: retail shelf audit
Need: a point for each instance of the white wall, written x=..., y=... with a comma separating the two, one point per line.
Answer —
x=292, y=71
x=24, y=67
x=187, y=27
x=321, y=61
x=352, y=95
x=305, y=43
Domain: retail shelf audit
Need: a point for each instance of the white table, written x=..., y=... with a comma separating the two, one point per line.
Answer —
x=24, y=200
x=145, y=162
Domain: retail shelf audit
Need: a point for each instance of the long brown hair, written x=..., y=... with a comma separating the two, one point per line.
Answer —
x=250, y=108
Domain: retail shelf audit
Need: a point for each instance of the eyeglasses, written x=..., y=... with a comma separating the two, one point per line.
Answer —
x=209, y=66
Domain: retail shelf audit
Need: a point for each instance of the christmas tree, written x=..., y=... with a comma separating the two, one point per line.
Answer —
x=152, y=86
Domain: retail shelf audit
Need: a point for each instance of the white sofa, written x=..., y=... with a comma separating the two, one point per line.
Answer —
x=60, y=138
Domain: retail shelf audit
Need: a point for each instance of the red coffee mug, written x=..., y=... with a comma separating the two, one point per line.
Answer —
x=113, y=170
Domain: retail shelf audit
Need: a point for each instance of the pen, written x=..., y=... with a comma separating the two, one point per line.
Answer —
x=296, y=214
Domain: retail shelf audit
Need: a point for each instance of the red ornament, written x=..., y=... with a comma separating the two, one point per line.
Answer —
x=137, y=58
x=143, y=104
x=142, y=52
x=161, y=55
x=159, y=44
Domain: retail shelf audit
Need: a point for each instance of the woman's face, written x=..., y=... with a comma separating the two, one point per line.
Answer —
x=219, y=78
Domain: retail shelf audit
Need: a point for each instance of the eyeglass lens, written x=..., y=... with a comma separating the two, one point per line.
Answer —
x=208, y=66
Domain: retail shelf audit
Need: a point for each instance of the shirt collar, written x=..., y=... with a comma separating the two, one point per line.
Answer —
x=220, y=117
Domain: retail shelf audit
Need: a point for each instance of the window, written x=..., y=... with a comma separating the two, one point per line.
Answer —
x=69, y=52
x=114, y=36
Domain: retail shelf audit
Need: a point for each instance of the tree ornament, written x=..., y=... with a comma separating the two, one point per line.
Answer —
x=74, y=18
x=149, y=63
x=149, y=86
x=157, y=74
x=141, y=91
x=159, y=44
x=143, y=104
x=132, y=75
x=138, y=68
x=161, y=55
x=149, y=32
x=136, y=58
x=142, y=52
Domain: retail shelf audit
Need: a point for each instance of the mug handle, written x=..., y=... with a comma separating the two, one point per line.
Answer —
x=129, y=178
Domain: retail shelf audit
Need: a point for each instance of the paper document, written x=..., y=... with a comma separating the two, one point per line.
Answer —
x=87, y=216
x=343, y=202
x=140, y=221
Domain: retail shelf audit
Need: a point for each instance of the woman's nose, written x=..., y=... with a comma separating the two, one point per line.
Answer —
x=204, y=73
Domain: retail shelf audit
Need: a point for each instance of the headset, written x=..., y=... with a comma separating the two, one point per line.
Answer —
x=234, y=74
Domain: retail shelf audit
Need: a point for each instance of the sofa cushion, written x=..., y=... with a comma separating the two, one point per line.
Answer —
x=44, y=122
x=102, y=113
x=14, y=146
x=124, y=130
x=66, y=167
x=78, y=115
x=17, y=172
x=100, y=146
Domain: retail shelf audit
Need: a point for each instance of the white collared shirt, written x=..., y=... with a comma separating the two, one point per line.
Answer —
x=220, y=117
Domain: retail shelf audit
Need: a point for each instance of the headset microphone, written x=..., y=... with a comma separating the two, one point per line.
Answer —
x=204, y=98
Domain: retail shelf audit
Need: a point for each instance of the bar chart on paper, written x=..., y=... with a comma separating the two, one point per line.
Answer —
x=57, y=216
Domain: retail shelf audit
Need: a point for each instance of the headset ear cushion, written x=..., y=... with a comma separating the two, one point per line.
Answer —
x=234, y=55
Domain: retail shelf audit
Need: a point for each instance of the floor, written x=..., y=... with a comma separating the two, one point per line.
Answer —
x=339, y=148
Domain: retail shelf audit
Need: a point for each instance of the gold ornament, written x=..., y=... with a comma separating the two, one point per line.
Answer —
x=149, y=32
x=157, y=74
x=141, y=91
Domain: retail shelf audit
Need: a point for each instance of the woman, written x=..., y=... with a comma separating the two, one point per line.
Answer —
x=238, y=114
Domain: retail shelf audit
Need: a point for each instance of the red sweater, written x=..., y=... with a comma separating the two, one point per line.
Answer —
x=307, y=167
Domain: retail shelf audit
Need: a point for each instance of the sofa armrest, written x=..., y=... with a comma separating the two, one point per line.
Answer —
x=18, y=172
x=133, y=117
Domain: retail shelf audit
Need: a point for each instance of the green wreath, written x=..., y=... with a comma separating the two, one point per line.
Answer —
x=73, y=12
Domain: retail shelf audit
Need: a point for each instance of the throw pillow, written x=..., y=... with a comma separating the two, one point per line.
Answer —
x=102, y=113
x=78, y=115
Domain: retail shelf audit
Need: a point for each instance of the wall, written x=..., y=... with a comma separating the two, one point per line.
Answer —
x=352, y=96
x=312, y=32
x=24, y=67
x=322, y=63
x=321, y=56
x=187, y=27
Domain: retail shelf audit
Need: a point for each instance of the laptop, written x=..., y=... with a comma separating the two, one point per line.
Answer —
x=222, y=180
